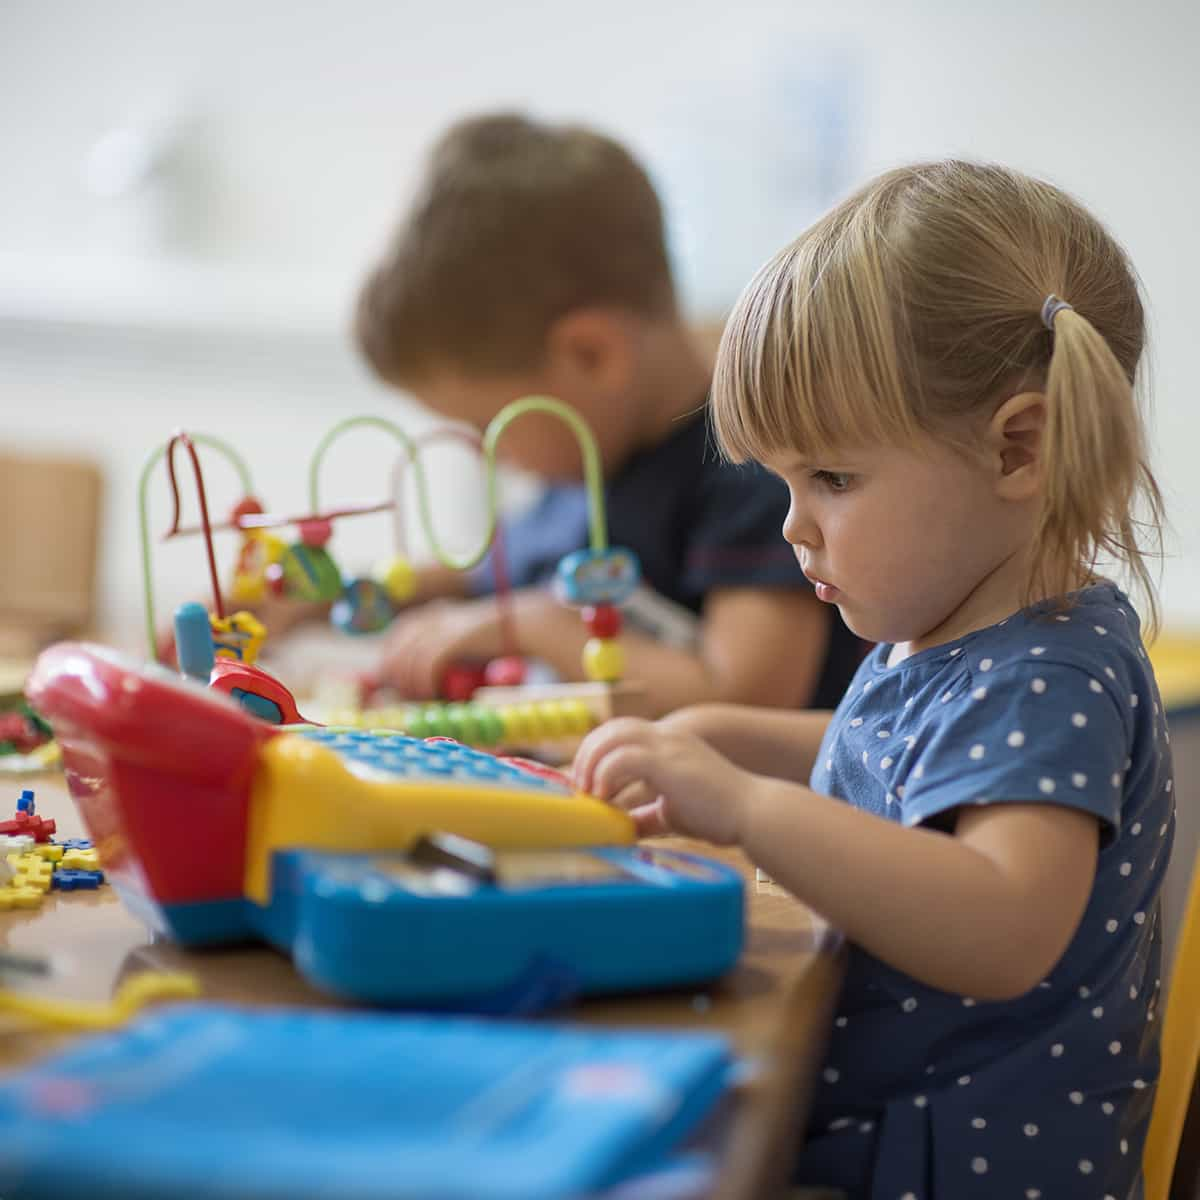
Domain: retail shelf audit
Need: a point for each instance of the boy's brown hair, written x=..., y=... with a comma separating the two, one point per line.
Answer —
x=517, y=223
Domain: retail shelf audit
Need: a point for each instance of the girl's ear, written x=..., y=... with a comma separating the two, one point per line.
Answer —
x=1014, y=439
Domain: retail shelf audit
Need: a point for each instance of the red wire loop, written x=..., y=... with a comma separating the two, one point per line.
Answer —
x=218, y=603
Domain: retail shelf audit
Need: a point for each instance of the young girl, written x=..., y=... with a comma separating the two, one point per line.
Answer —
x=941, y=370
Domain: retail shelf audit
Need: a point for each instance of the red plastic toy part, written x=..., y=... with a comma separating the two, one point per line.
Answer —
x=159, y=769
x=256, y=691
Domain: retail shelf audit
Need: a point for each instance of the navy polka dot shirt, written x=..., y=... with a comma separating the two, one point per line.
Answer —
x=933, y=1096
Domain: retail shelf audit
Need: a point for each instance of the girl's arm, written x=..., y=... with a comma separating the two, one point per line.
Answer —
x=777, y=742
x=984, y=911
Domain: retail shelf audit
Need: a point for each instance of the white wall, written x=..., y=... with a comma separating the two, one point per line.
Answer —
x=219, y=301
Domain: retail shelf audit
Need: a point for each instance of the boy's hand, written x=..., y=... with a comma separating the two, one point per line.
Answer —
x=668, y=782
x=422, y=643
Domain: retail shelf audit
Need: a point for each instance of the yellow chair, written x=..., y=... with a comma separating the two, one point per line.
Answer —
x=1180, y=1052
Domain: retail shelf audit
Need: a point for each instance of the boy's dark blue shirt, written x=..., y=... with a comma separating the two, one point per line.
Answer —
x=696, y=523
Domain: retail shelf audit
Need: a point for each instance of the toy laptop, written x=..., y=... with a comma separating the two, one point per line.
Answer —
x=196, y=1102
x=394, y=870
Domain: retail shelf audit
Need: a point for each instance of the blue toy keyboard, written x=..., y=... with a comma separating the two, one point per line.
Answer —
x=394, y=870
x=455, y=925
x=373, y=753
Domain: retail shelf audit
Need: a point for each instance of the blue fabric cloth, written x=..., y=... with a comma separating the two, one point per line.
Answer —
x=696, y=523
x=931, y=1096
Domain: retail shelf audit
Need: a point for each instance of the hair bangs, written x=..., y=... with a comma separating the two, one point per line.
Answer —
x=810, y=361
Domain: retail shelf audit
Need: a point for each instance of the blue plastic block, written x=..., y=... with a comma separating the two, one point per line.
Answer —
x=70, y=881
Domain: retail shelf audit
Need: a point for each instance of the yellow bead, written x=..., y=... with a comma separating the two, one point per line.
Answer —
x=603, y=660
x=529, y=724
x=247, y=588
x=578, y=717
x=550, y=718
x=509, y=722
x=398, y=578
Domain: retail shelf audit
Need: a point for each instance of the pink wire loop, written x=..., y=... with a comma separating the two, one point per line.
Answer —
x=508, y=633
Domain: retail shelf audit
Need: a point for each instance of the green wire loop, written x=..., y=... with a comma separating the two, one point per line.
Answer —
x=243, y=473
x=592, y=472
x=593, y=476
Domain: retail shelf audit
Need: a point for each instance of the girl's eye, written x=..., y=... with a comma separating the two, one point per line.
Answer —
x=835, y=481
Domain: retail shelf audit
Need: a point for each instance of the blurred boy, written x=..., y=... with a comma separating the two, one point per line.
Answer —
x=533, y=260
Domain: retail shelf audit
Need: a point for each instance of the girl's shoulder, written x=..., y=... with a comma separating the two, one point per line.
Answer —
x=1083, y=665
x=1096, y=632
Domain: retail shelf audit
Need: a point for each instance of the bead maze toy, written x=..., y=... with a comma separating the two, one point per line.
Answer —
x=344, y=848
x=490, y=706
x=487, y=881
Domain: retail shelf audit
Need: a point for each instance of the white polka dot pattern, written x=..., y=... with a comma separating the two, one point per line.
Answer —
x=1037, y=711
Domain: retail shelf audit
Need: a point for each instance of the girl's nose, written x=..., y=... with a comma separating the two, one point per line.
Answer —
x=798, y=527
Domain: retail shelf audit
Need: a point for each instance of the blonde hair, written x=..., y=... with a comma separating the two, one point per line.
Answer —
x=916, y=302
x=516, y=223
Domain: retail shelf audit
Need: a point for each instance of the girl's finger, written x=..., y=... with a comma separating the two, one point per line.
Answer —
x=623, y=766
x=600, y=742
x=651, y=820
x=633, y=796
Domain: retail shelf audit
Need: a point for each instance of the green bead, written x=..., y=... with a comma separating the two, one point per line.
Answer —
x=435, y=720
x=413, y=722
x=491, y=728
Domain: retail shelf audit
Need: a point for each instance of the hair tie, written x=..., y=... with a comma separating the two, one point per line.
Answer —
x=1051, y=307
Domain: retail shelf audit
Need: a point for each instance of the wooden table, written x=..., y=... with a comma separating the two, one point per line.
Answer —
x=776, y=1006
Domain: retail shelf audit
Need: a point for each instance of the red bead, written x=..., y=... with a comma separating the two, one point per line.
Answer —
x=316, y=532
x=459, y=681
x=245, y=507
x=505, y=672
x=602, y=620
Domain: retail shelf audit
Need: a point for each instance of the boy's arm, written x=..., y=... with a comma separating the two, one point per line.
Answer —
x=757, y=646
x=280, y=614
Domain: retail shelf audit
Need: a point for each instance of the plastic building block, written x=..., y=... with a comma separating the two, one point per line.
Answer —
x=26, y=802
x=80, y=860
x=20, y=897
x=75, y=844
x=48, y=851
x=16, y=843
x=39, y=828
x=31, y=871
x=70, y=881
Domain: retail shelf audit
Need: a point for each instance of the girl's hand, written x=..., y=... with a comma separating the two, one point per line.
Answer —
x=668, y=782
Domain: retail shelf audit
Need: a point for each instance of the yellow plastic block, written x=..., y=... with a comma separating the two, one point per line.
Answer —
x=31, y=870
x=303, y=797
x=80, y=860
x=49, y=852
x=20, y=897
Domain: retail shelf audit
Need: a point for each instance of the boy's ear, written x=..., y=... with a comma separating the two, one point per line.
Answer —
x=1014, y=437
x=590, y=350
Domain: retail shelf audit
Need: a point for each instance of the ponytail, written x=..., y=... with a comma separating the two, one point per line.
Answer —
x=1095, y=468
